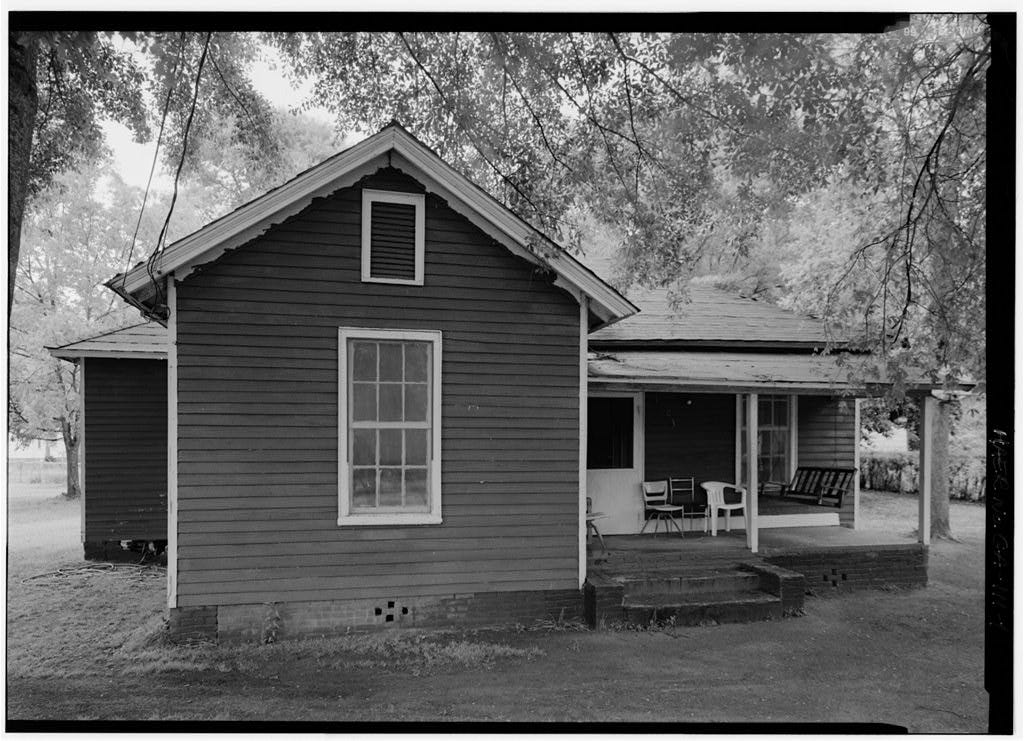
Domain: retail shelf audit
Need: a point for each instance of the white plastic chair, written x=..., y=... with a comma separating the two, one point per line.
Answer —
x=716, y=502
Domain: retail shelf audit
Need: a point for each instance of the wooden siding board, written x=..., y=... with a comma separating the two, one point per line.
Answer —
x=126, y=471
x=690, y=435
x=257, y=349
x=381, y=536
x=827, y=436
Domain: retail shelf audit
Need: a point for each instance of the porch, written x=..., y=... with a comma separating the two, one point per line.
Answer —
x=656, y=435
x=699, y=578
x=667, y=431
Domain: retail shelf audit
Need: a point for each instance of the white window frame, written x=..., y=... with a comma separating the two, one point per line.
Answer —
x=345, y=515
x=791, y=427
x=389, y=196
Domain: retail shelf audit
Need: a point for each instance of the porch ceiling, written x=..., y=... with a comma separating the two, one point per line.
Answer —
x=841, y=373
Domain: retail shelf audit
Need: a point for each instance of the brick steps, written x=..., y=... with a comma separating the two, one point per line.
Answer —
x=718, y=596
x=683, y=586
x=742, y=593
x=743, y=607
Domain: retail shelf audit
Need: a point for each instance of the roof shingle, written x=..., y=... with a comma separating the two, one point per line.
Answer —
x=141, y=341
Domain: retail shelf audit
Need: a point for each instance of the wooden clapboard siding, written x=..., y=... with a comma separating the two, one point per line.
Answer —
x=257, y=415
x=126, y=449
x=827, y=436
x=695, y=439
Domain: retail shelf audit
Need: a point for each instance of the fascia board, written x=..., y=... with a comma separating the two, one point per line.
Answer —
x=120, y=354
x=257, y=216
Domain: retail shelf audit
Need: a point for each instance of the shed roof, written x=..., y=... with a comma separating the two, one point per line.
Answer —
x=395, y=146
x=147, y=340
x=711, y=317
x=742, y=371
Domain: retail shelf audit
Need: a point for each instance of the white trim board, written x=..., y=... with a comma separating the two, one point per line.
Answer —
x=119, y=354
x=172, y=443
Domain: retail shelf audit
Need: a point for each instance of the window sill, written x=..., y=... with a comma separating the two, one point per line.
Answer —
x=394, y=281
x=391, y=518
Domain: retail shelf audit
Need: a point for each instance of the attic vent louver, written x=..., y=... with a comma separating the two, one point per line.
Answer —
x=392, y=241
x=392, y=237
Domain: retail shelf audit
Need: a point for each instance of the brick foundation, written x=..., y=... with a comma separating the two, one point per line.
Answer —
x=602, y=600
x=838, y=570
x=281, y=620
x=192, y=623
x=788, y=585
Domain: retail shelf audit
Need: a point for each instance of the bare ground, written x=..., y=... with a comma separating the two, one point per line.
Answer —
x=85, y=645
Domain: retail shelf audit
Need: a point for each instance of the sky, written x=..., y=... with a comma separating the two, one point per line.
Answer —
x=133, y=161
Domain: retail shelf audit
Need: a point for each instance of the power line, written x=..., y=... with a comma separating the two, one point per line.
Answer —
x=156, y=154
x=181, y=163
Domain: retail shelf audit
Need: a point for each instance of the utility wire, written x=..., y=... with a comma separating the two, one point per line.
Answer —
x=181, y=163
x=156, y=154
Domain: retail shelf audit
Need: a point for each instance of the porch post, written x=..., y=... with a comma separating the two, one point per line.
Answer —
x=582, y=464
x=172, y=442
x=751, y=482
x=81, y=442
x=924, y=470
x=856, y=464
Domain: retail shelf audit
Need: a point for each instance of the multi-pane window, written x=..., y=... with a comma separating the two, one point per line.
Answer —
x=773, y=437
x=389, y=426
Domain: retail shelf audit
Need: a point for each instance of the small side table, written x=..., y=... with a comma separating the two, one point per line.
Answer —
x=592, y=527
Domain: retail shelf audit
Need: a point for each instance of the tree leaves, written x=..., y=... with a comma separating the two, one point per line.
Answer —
x=700, y=147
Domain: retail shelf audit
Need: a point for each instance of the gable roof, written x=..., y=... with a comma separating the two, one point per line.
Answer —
x=145, y=341
x=394, y=145
x=712, y=317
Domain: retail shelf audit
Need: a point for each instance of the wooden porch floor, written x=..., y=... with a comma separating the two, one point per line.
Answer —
x=771, y=505
x=699, y=553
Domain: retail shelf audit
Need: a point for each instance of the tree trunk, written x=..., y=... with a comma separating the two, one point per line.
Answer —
x=23, y=100
x=71, y=439
x=940, y=472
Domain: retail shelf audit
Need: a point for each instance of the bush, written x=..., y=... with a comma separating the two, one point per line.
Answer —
x=898, y=472
x=31, y=471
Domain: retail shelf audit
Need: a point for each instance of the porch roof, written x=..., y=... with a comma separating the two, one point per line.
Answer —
x=735, y=372
x=711, y=317
x=144, y=341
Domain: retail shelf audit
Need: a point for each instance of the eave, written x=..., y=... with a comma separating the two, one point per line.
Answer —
x=399, y=148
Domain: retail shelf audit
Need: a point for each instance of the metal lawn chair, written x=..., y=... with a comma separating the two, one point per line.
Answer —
x=657, y=508
x=683, y=492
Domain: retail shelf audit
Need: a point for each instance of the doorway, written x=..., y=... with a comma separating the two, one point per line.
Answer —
x=615, y=460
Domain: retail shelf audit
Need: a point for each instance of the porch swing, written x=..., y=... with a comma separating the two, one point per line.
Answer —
x=824, y=486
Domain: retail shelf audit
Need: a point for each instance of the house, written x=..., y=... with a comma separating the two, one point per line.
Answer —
x=381, y=387
x=123, y=398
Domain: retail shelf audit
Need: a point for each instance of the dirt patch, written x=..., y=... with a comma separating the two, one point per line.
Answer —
x=90, y=647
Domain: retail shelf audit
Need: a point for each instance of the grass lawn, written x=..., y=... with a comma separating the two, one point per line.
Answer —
x=85, y=645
